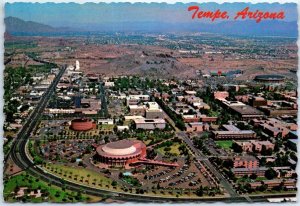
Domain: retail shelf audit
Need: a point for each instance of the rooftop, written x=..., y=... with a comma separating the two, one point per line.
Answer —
x=149, y=121
x=246, y=110
x=249, y=169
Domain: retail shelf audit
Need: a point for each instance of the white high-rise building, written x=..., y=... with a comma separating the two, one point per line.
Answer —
x=77, y=66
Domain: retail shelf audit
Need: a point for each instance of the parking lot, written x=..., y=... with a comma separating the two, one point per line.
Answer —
x=70, y=150
x=186, y=176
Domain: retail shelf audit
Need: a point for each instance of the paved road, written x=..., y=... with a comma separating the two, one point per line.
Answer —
x=104, y=110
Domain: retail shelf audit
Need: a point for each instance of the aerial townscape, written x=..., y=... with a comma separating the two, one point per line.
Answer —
x=148, y=117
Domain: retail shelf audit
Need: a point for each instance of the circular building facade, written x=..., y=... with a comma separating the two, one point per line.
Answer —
x=271, y=78
x=81, y=124
x=120, y=153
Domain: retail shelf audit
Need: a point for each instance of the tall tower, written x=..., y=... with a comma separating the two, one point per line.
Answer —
x=77, y=66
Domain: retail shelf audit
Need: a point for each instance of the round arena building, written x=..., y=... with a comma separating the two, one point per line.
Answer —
x=271, y=78
x=120, y=153
x=82, y=124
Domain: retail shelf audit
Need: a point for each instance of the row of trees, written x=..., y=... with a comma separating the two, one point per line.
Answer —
x=207, y=191
x=176, y=118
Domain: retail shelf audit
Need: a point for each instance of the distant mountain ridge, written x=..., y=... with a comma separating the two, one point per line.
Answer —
x=14, y=24
x=18, y=26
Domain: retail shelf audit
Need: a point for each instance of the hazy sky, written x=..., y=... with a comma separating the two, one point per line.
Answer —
x=72, y=14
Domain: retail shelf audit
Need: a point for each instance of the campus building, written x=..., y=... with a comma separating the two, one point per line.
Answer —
x=150, y=124
x=232, y=132
x=125, y=153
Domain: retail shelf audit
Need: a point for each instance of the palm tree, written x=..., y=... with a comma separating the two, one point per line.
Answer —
x=71, y=174
x=88, y=175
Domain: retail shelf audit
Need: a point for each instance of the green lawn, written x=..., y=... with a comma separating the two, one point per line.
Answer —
x=247, y=179
x=147, y=142
x=80, y=175
x=174, y=149
x=53, y=193
x=225, y=144
x=214, y=113
x=261, y=178
x=106, y=127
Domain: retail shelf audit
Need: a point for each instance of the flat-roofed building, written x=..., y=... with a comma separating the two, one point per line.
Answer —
x=133, y=117
x=59, y=111
x=106, y=121
x=232, y=132
x=233, y=103
x=109, y=84
x=240, y=172
x=150, y=124
x=288, y=183
x=243, y=98
x=196, y=127
x=246, y=112
x=190, y=118
x=132, y=101
x=153, y=111
x=92, y=104
x=204, y=118
x=181, y=108
x=190, y=92
x=275, y=127
x=285, y=172
x=221, y=94
x=280, y=108
x=246, y=161
x=230, y=127
x=260, y=145
x=243, y=134
x=142, y=97
x=137, y=109
x=135, y=99
x=245, y=146
x=201, y=105
x=254, y=145
x=122, y=128
x=192, y=99
x=255, y=101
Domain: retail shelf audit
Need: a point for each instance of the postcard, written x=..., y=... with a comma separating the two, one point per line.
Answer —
x=150, y=102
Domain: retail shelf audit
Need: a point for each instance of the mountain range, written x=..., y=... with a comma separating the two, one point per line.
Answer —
x=16, y=26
